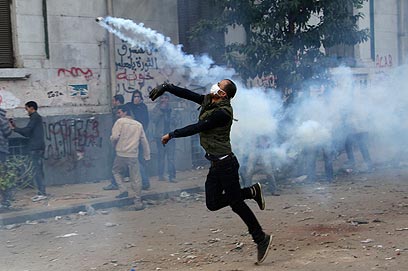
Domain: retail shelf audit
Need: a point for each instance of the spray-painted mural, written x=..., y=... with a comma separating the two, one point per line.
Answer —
x=76, y=147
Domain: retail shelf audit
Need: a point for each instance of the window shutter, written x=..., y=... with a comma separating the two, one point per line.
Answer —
x=6, y=44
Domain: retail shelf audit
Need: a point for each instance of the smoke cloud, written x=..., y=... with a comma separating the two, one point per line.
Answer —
x=321, y=115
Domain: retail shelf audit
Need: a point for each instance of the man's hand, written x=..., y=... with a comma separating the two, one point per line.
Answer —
x=165, y=139
x=12, y=124
x=157, y=91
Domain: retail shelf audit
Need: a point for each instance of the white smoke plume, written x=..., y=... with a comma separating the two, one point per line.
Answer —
x=311, y=121
x=200, y=69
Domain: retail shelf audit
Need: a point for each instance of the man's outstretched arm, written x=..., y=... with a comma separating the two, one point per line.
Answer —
x=218, y=119
x=177, y=91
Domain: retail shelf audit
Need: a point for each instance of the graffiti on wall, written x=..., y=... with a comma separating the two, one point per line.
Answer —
x=7, y=99
x=265, y=81
x=134, y=68
x=78, y=90
x=383, y=61
x=75, y=72
x=54, y=93
x=71, y=138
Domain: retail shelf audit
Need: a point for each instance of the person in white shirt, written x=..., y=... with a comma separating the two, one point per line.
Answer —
x=127, y=135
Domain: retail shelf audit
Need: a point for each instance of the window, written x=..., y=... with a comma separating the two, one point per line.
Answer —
x=6, y=44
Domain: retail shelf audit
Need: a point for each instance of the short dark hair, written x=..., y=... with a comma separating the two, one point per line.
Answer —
x=136, y=91
x=230, y=88
x=119, y=98
x=124, y=109
x=32, y=104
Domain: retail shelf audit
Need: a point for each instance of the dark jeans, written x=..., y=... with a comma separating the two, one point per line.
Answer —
x=222, y=189
x=311, y=158
x=361, y=140
x=166, y=153
x=38, y=171
x=143, y=169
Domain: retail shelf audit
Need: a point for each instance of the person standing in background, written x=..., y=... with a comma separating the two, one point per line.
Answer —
x=36, y=146
x=128, y=137
x=162, y=123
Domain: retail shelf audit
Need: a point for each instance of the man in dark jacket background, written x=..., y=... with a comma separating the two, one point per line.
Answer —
x=36, y=146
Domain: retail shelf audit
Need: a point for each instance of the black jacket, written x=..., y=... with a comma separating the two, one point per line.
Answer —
x=140, y=113
x=34, y=131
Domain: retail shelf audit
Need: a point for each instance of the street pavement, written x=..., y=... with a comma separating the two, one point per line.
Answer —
x=75, y=198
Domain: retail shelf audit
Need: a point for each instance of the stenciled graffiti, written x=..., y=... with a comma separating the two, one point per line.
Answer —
x=78, y=90
x=71, y=137
x=76, y=72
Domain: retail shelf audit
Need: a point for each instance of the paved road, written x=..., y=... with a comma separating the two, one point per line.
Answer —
x=360, y=222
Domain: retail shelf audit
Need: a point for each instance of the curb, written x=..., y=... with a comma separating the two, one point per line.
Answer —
x=40, y=213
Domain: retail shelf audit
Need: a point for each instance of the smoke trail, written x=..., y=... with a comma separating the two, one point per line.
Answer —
x=199, y=69
x=312, y=121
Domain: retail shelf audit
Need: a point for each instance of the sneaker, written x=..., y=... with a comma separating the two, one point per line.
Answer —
x=38, y=198
x=263, y=248
x=256, y=190
x=122, y=195
x=110, y=187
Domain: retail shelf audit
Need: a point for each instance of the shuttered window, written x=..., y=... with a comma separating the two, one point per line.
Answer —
x=6, y=44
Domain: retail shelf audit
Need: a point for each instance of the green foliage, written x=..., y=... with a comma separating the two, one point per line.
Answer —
x=15, y=172
x=284, y=37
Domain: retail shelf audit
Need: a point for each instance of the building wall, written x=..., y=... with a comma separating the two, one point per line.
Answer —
x=386, y=33
x=386, y=42
x=71, y=82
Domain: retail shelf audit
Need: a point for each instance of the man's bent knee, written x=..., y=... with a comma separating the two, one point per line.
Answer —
x=212, y=206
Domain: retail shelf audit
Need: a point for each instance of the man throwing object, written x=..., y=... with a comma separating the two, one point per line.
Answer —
x=222, y=186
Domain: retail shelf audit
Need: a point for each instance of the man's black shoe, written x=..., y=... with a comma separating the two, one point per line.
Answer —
x=263, y=248
x=122, y=195
x=145, y=187
x=257, y=195
x=111, y=187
